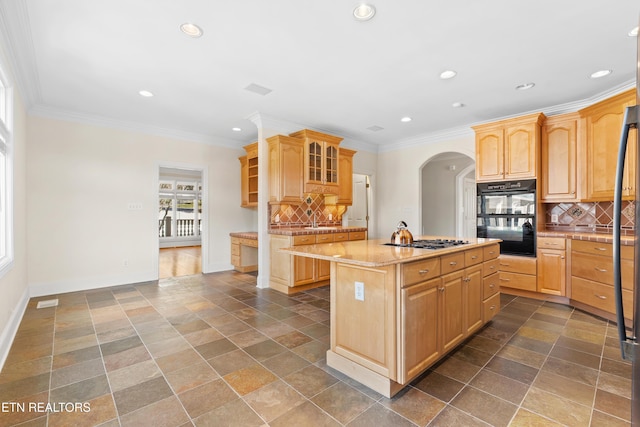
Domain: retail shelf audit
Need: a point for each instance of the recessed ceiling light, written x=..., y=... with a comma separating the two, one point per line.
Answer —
x=634, y=32
x=457, y=105
x=601, y=73
x=145, y=93
x=525, y=86
x=364, y=12
x=236, y=129
x=447, y=74
x=405, y=119
x=192, y=30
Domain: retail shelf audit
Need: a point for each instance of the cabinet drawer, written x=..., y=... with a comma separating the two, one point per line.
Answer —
x=248, y=242
x=340, y=237
x=597, y=248
x=419, y=271
x=306, y=239
x=490, y=285
x=235, y=260
x=490, y=267
x=490, y=307
x=357, y=235
x=235, y=249
x=600, y=269
x=472, y=257
x=489, y=252
x=551, y=243
x=525, y=282
x=453, y=262
x=517, y=264
x=324, y=238
x=599, y=295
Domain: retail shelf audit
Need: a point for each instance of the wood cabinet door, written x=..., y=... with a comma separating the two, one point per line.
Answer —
x=473, y=298
x=558, y=152
x=345, y=178
x=520, y=151
x=291, y=167
x=330, y=164
x=489, y=155
x=603, y=129
x=244, y=181
x=451, y=295
x=303, y=270
x=552, y=267
x=420, y=319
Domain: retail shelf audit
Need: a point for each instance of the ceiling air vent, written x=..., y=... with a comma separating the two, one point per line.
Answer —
x=375, y=128
x=260, y=90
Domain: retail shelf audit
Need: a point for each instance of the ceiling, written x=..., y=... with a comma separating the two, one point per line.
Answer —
x=87, y=60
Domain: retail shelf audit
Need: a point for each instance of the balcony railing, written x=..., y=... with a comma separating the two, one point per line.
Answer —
x=184, y=228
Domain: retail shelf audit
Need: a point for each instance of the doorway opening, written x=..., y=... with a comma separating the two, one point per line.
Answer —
x=448, y=203
x=180, y=220
x=358, y=213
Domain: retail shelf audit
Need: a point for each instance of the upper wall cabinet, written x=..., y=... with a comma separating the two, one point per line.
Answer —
x=508, y=149
x=249, y=176
x=603, y=125
x=286, y=174
x=558, y=152
x=321, y=163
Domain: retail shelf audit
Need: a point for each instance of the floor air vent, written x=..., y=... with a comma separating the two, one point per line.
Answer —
x=48, y=303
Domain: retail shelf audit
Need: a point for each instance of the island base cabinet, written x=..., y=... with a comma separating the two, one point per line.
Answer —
x=370, y=343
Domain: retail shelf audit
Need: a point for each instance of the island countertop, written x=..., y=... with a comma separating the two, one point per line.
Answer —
x=374, y=253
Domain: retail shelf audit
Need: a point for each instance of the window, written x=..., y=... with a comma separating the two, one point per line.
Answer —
x=179, y=212
x=6, y=174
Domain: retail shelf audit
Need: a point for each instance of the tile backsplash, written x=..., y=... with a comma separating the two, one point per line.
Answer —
x=302, y=215
x=591, y=217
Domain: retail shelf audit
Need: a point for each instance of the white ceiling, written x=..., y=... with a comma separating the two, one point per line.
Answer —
x=87, y=60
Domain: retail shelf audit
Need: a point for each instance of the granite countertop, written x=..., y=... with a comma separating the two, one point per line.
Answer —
x=591, y=237
x=373, y=253
x=253, y=235
x=300, y=231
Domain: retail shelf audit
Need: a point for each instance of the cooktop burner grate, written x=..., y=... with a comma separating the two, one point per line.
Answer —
x=432, y=243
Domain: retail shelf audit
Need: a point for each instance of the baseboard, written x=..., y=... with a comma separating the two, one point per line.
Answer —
x=11, y=329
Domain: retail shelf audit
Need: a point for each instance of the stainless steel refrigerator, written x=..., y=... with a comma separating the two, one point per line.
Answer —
x=629, y=346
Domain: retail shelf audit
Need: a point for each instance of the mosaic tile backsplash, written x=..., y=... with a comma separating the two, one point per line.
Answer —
x=286, y=216
x=593, y=217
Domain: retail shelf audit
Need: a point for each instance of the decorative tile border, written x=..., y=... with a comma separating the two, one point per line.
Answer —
x=593, y=217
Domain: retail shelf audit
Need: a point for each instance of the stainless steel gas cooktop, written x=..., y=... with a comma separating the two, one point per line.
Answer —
x=432, y=243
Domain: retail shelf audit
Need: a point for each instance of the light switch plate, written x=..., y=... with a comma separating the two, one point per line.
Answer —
x=360, y=291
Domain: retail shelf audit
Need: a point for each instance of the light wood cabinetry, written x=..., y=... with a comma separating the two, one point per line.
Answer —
x=286, y=170
x=508, y=149
x=592, y=276
x=552, y=265
x=490, y=282
x=244, y=254
x=345, y=179
x=603, y=125
x=249, y=176
x=321, y=165
x=441, y=304
x=518, y=272
x=291, y=273
x=559, y=148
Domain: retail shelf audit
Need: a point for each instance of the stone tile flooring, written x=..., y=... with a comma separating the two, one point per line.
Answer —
x=213, y=350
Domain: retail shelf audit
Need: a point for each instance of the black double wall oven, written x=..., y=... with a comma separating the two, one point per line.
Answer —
x=507, y=211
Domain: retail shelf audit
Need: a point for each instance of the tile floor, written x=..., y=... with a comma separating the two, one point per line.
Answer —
x=213, y=350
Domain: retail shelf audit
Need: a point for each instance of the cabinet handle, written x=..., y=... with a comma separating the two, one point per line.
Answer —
x=561, y=257
x=493, y=307
x=505, y=280
x=423, y=271
x=474, y=257
x=601, y=270
x=492, y=252
x=491, y=286
x=600, y=249
x=492, y=267
x=600, y=296
x=441, y=289
x=553, y=243
x=504, y=265
x=453, y=263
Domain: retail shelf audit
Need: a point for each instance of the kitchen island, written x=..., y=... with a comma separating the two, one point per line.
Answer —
x=395, y=311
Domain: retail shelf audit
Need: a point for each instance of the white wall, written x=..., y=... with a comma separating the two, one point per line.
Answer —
x=399, y=183
x=81, y=179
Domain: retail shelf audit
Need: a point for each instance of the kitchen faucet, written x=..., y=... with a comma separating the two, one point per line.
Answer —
x=314, y=224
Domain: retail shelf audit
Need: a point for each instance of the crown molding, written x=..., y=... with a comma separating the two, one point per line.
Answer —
x=15, y=35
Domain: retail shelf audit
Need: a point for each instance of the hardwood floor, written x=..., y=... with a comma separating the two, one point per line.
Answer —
x=183, y=261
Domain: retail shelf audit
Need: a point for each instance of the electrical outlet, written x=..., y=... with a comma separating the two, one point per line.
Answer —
x=554, y=218
x=360, y=291
x=134, y=206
